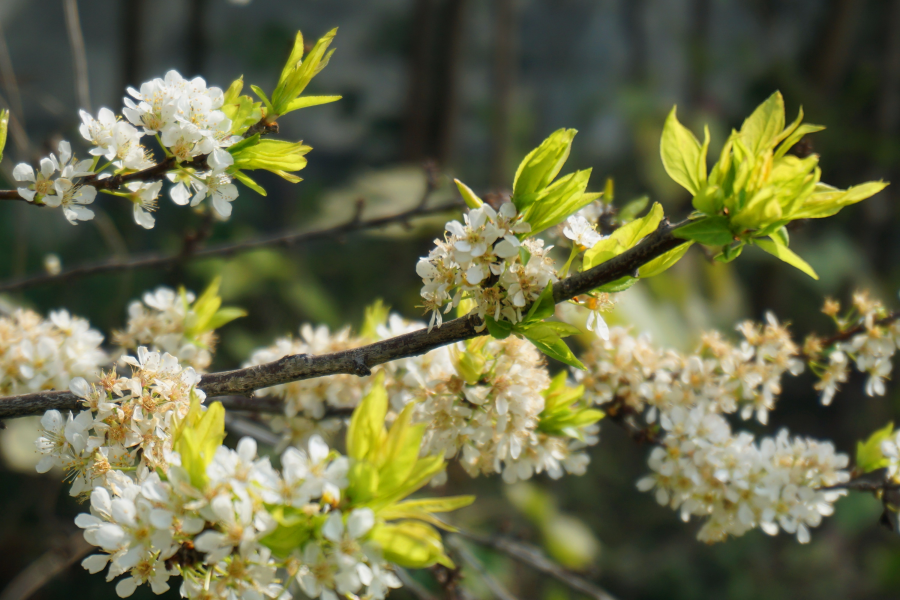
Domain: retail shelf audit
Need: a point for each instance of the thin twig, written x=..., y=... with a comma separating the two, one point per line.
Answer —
x=360, y=361
x=846, y=334
x=535, y=558
x=470, y=559
x=245, y=427
x=157, y=260
x=46, y=567
x=17, y=113
x=412, y=586
x=79, y=54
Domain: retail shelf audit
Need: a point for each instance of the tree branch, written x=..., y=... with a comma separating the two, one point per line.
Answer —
x=79, y=54
x=155, y=173
x=496, y=588
x=156, y=260
x=359, y=361
x=535, y=558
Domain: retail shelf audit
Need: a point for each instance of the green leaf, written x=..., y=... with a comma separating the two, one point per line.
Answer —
x=223, y=316
x=366, y=433
x=295, y=528
x=761, y=129
x=423, y=472
x=729, y=253
x=203, y=309
x=277, y=156
x=619, y=285
x=400, y=451
x=307, y=101
x=410, y=544
x=244, y=143
x=198, y=442
x=262, y=96
x=498, y=329
x=632, y=233
x=363, y=482
x=242, y=110
x=376, y=315
x=246, y=180
x=470, y=363
x=293, y=60
x=559, y=200
x=548, y=341
x=826, y=201
x=681, y=154
x=623, y=238
x=787, y=255
x=468, y=196
x=541, y=166
x=434, y=505
x=630, y=211
x=562, y=329
x=543, y=307
x=664, y=261
x=709, y=231
x=297, y=73
x=868, y=454
x=796, y=136
x=4, y=126
x=781, y=236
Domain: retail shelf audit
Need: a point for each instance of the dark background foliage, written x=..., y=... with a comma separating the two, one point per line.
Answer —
x=472, y=85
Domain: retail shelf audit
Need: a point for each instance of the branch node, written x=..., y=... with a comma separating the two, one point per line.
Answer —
x=360, y=367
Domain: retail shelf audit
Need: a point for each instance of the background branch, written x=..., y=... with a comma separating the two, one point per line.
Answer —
x=79, y=54
x=49, y=565
x=535, y=558
x=496, y=588
x=157, y=260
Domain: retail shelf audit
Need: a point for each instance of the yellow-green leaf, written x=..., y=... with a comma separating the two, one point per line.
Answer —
x=762, y=128
x=826, y=201
x=681, y=154
x=541, y=166
x=623, y=238
x=4, y=126
x=664, y=261
x=307, y=101
x=869, y=456
x=376, y=315
x=400, y=451
x=468, y=196
x=410, y=544
x=787, y=255
x=366, y=431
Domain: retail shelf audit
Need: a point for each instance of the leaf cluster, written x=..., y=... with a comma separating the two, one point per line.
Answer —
x=756, y=187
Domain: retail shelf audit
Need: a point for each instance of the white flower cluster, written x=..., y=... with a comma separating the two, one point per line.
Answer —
x=184, y=115
x=701, y=467
x=151, y=529
x=58, y=184
x=152, y=519
x=490, y=424
x=487, y=417
x=482, y=260
x=187, y=117
x=44, y=354
x=123, y=424
x=746, y=378
x=159, y=321
x=871, y=350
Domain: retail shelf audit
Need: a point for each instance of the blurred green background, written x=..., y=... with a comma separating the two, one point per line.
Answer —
x=473, y=85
